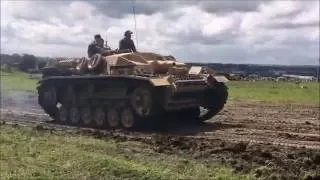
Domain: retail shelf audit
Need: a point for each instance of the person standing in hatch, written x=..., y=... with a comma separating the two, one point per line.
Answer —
x=127, y=42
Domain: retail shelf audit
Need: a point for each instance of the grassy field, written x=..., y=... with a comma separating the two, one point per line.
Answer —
x=238, y=90
x=307, y=92
x=17, y=81
x=27, y=153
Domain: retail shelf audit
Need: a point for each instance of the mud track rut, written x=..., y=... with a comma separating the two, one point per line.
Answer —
x=285, y=139
x=255, y=123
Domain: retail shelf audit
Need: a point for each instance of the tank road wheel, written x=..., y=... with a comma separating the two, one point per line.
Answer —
x=86, y=116
x=127, y=118
x=141, y=102
x=113, y=118
x=99, y=117
x=63, y=114
x=74, y=115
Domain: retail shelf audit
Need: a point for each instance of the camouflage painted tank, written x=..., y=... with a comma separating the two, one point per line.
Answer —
x=125, y=89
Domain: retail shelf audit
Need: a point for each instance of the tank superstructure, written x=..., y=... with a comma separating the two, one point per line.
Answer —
x=129, y=88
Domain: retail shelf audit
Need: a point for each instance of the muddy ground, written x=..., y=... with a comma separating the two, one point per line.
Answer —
x=276, y=141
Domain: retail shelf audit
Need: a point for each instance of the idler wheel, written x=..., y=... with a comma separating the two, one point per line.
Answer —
x=74, y=115
x=141, y=101
x=127, y=118
x=99, y=117
x=113, y=118
x=86, y=115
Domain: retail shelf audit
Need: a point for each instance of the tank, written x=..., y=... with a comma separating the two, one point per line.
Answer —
x=123, y=89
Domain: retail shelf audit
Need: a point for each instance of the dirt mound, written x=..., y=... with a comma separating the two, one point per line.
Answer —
x=187, y=144
x=264, y=160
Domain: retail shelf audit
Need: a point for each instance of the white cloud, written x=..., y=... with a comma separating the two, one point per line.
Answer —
x=259, y=32
x=280, y=8
x=310, y=14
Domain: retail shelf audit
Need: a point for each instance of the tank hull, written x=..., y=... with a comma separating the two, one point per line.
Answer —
x=113, y=101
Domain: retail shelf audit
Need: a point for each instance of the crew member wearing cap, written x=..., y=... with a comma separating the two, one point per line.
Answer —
x=127, y=42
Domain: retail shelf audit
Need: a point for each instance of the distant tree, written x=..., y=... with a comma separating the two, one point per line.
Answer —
x=16, y=58
x=28, y=62
x=41, y=64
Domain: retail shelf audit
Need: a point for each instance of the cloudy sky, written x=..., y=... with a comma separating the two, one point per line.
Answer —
x=225, y=31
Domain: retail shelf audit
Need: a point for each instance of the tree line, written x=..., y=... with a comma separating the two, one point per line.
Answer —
x=23, y=62
x=262, y=70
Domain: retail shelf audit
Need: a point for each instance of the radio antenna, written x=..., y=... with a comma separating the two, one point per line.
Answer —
x=135, y=23
x=106, y=40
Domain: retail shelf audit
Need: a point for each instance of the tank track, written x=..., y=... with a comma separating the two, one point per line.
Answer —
x=83, y=101
x=219, y=97
x=216, y=97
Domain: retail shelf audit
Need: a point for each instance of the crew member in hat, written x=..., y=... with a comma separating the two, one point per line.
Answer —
x=127, y=42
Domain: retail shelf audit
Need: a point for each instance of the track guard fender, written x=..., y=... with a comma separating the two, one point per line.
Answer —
x=221, y=79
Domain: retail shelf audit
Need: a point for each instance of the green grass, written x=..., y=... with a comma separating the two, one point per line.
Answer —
x=275, y=91
x=17, y=81
x=27, y=153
